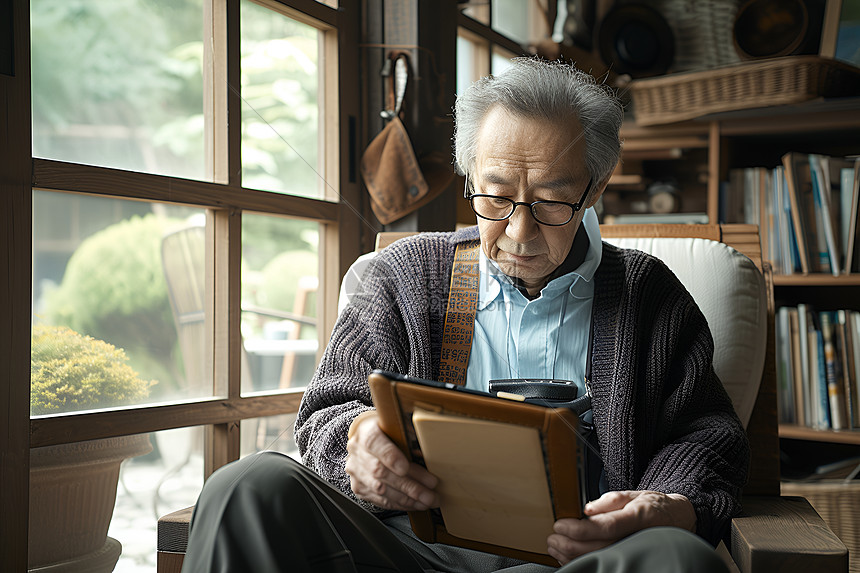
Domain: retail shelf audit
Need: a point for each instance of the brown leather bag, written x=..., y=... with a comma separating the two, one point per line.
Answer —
x=398, y=181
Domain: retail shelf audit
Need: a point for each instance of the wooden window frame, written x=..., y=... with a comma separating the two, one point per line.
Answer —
x=477, y=32
x=224, y=198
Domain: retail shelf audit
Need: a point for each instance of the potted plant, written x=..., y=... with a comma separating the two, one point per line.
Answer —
x=73, y=486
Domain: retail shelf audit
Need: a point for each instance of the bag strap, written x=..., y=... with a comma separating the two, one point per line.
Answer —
x=460, y=314
x=396, y=69
x=460, y=318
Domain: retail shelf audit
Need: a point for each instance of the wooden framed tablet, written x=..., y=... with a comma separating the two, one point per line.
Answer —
x=507, y=469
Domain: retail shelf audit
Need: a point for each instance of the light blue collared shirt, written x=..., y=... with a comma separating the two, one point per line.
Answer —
x=542, y=338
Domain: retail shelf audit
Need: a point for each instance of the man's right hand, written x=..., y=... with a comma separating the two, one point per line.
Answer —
x=381, y=474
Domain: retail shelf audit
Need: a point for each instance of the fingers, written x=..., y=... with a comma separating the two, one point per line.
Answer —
x=372, y=439
x=610, y=501
x=608, y=520
x=422, y=476
x=615, y=516
x=564, y=549
x=381, y=474
x=603, y=527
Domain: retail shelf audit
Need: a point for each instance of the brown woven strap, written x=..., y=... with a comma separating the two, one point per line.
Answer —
x=460, y=314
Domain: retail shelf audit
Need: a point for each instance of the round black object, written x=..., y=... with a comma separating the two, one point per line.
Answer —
x=635, y=39
x=770, y=28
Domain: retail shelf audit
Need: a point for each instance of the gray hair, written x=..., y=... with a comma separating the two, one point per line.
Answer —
x=533, y=88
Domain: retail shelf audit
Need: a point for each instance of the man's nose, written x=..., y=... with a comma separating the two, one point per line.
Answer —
x=522, y=227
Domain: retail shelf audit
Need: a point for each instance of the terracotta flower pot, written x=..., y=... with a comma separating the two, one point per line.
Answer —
x=72, y=496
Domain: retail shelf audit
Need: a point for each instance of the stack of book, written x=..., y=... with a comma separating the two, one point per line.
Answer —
x=818, y=367
x=806, y=209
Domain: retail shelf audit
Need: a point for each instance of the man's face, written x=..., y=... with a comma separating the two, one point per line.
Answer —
x=530, y=160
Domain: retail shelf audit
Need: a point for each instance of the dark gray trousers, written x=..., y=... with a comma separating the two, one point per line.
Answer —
x=268, y=513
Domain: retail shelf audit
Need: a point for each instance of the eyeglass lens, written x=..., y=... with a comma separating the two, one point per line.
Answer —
x=500, y=208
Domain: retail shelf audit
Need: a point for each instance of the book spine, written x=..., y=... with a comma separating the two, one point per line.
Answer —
x=853, y=328
x=852, y=256
x=806, y=383
x=828, y=253
x=846, y=185
x=798, y=226
x=843, y=346
x=818, y=375
x=821, y=247
x=835, y=393
x=800, y=401
x=785, y=383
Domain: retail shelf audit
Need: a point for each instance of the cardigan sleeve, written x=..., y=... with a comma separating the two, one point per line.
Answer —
x=663, y=419
x=702, y=448
x=391, y=324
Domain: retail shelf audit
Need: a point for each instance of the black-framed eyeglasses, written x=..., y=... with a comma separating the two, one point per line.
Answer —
x=495, y=208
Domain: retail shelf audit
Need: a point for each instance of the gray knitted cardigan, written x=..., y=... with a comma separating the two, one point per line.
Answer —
x=662, y=417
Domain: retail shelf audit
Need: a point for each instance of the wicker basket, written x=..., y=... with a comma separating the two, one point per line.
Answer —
x=838, y=503
x=762, y=83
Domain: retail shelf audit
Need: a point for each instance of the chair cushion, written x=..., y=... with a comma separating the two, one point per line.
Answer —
x=730, y=291
x=352, y=279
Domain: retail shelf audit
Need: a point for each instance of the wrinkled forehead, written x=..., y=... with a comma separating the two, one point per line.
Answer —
x=508, y=140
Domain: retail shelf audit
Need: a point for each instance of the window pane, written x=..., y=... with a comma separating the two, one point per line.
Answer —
x=118, y=303
x=280, y=263
x=119, y=84
x=522, y=22
x=270, y=433
x=472, y=63
x=281, y=98
x=166, y=480
x=501, y=59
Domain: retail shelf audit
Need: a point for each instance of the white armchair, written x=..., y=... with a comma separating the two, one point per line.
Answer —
x=721, y=267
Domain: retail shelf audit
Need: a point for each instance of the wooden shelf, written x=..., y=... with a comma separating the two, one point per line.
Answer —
x=837, y=114
x=833, y=436
x=819, y=279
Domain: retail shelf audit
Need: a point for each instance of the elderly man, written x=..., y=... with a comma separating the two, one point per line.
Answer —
x=537, y=145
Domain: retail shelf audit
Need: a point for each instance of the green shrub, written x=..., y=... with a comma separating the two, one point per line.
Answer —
x=114, y=289
x=71, y=372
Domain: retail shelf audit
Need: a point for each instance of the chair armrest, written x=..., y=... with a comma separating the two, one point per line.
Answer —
x=784, y=534
x=173, y=530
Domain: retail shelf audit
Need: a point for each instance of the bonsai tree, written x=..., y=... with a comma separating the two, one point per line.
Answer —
x=70, y=372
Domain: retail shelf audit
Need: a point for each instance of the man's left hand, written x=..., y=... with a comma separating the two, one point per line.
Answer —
x=615, y=515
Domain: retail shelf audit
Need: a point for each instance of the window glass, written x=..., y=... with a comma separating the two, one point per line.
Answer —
x=522, y=22
x=167, y=479
x=281, y=99
x=501, y=59
x=119, y=84
x=269, y=433
x=118, y=303
x=280, y=262
x=471, y=55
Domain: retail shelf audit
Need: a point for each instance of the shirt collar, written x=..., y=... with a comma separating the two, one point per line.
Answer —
x=492, y=277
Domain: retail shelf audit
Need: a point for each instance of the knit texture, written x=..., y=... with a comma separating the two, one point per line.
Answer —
x=663, y=420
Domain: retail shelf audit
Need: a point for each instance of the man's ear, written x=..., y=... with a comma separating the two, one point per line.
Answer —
x=596, y=193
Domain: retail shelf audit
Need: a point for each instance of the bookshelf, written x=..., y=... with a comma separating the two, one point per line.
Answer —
x=819, y=279
x=699, y=155
x=794, y=432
